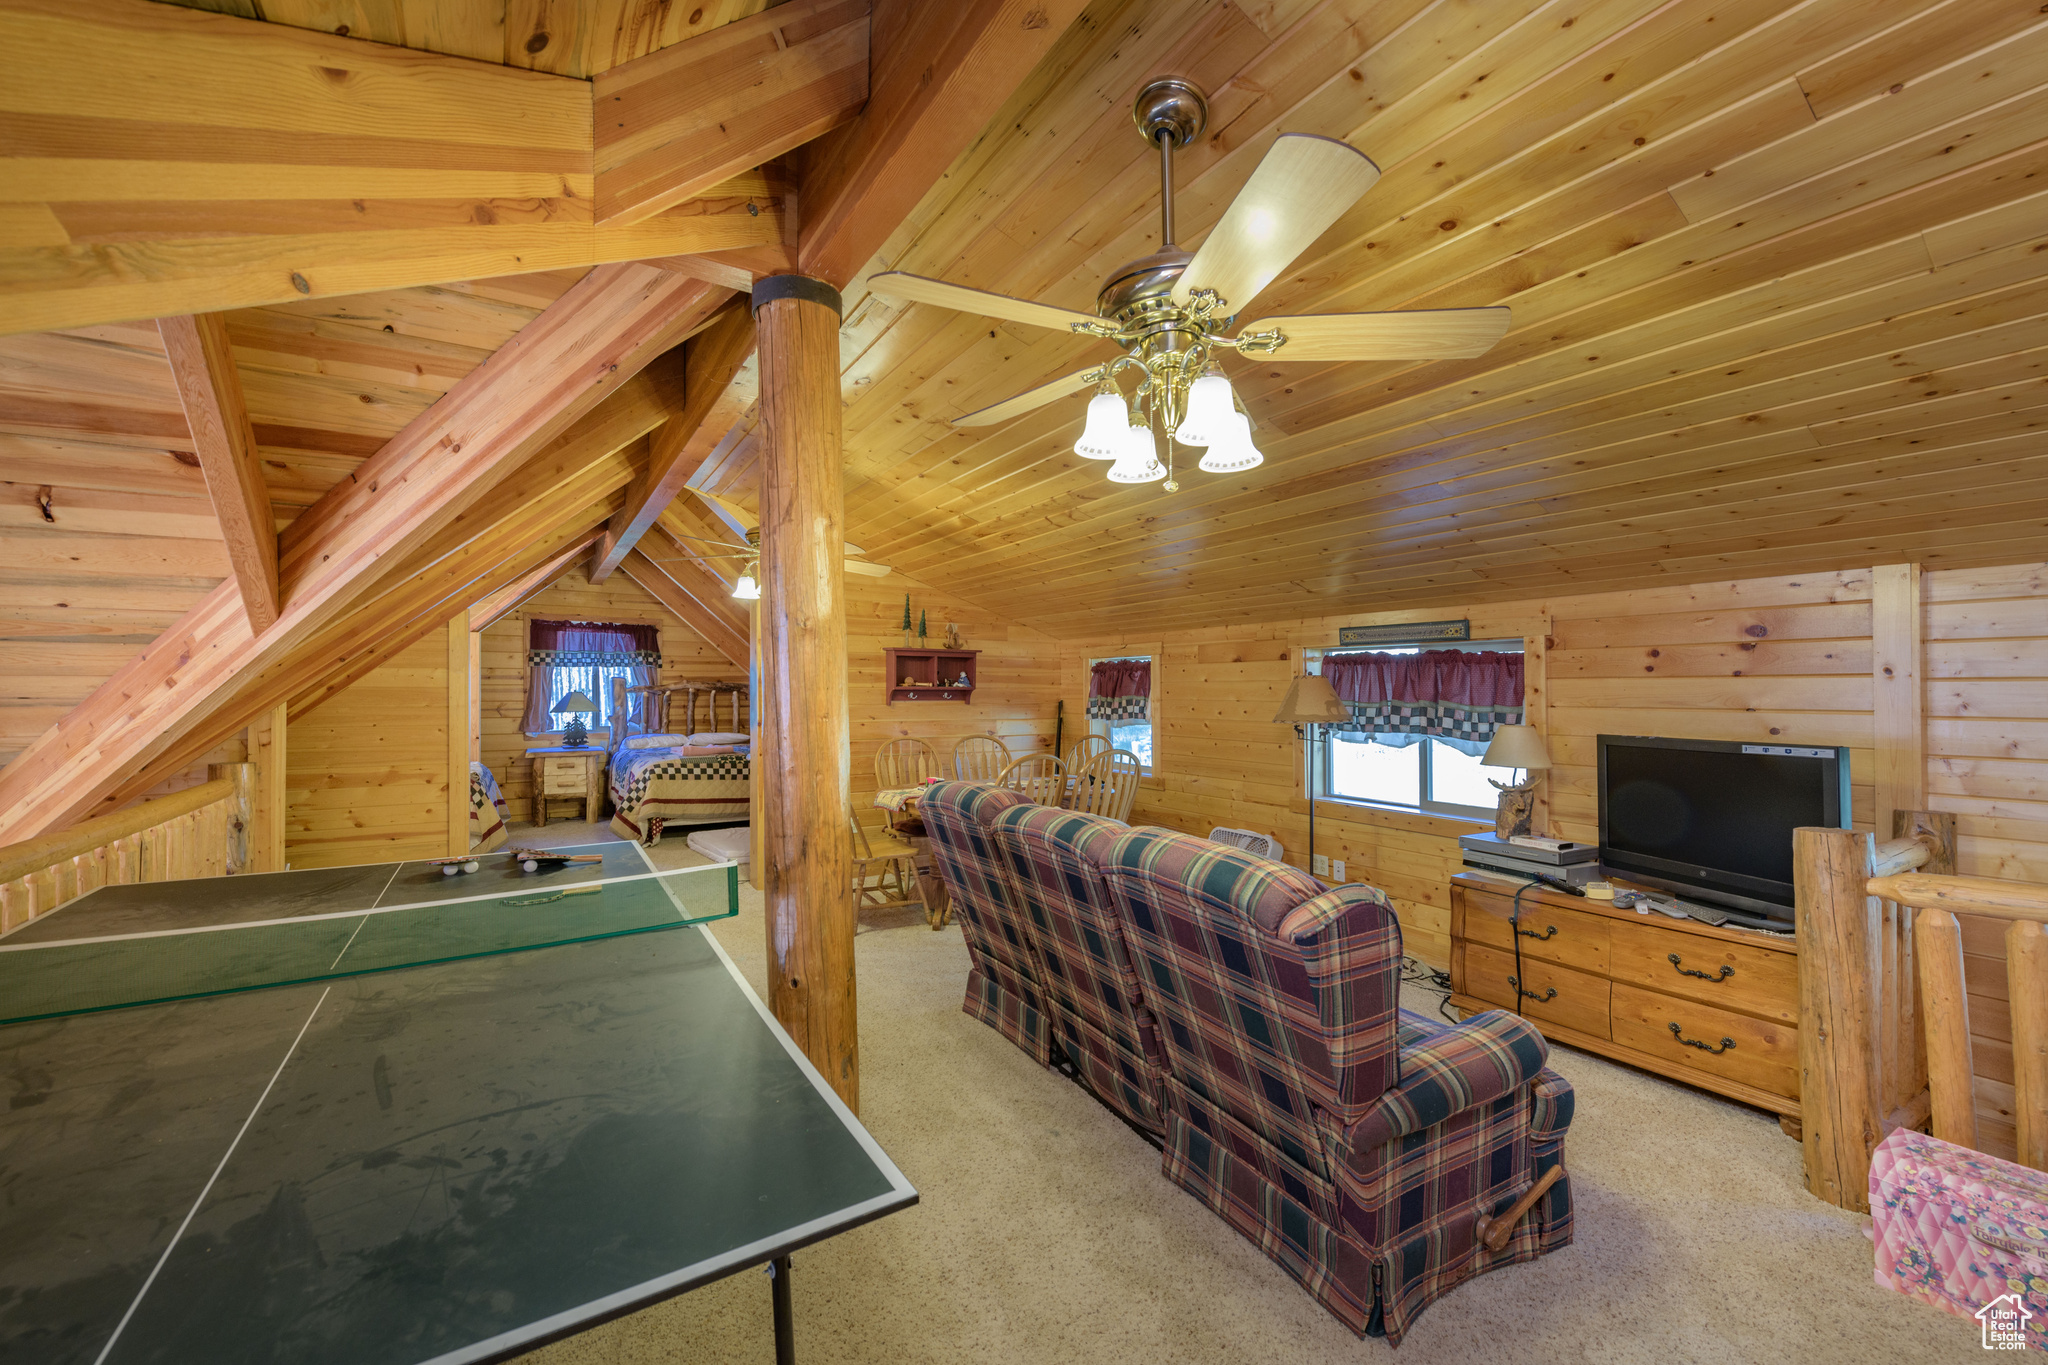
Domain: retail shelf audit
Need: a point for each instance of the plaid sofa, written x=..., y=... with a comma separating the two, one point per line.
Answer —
x=1053, y=861
x=1356, y=1145
x=1005, y=977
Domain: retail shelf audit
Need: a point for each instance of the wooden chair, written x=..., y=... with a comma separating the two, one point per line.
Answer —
x=1086, y=750
x=1109, y=785
x=905, y=763
x=980, y=758
x=891, y=863
x=1039, y=777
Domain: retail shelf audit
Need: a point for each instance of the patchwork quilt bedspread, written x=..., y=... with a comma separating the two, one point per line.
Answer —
x=651, y=788
x=487, y=810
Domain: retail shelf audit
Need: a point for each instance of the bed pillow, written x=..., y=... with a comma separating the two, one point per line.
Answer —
x=705, y=750
x=719, y=737
x=656, y=741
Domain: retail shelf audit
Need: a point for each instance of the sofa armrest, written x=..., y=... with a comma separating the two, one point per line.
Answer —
x=1467, y=1065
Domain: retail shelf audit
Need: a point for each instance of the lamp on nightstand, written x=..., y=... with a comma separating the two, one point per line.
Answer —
x=575, y=706
x=1311, y=701
x=1516, y=746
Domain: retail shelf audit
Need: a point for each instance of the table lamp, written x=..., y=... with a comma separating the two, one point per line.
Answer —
x=1519, y=747
x=1311, y=701
x=576, y=706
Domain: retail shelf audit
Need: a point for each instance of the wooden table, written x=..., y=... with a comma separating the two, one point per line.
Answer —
x=559, y=771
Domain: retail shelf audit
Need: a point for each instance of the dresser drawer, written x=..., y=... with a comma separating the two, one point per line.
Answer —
x=565, y=776
x=1735, y=976
x=1552, y=994
x=1716, y=1041
x=1569, y=937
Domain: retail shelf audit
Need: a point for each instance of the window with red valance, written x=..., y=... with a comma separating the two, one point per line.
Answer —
x=584, y=656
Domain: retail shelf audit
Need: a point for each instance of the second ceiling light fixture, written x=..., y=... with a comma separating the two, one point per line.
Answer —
x=1170, y=309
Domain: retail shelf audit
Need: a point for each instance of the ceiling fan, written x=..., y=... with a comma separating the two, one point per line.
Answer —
x=1170, y=310
x=748, y=586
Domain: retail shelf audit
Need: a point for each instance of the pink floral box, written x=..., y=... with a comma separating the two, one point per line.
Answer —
x=1962, y=1231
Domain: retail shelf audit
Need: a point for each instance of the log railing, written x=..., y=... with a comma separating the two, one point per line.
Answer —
x=202, y=831
x=1884, y=1026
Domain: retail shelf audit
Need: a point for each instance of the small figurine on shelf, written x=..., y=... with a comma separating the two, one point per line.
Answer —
x=952, y=636
x=908, y=681
x=963, y=680
x=906, y=620
x=920, y=628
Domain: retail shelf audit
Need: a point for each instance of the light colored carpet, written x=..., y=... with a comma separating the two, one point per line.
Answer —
x=1046, y=1233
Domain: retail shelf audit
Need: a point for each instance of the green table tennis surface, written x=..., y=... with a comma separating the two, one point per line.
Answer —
x=453, y=1161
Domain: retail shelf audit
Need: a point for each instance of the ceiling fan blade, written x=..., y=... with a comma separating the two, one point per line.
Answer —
x=918, y=289
x=1030, y=398
x=862, y=567
x=1418, y=334
x=1303, y=185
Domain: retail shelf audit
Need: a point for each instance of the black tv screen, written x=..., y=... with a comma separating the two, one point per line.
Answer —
x=1713, y=819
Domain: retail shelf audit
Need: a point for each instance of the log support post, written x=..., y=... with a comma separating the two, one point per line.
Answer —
x=1840, y=1046
x=2026, y=966
x=802, y=699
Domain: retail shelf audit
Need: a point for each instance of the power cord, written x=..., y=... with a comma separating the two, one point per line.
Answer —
x=1418, y=973
x=1515, y=932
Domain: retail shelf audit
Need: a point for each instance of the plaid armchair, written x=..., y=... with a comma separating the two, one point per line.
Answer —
x=1053, y=859
x=1004, y=987
x=1355, y=1144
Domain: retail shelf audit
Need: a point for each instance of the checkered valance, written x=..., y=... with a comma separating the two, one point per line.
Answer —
x=591, y=658
x=1458, y=696
x=1119, y=690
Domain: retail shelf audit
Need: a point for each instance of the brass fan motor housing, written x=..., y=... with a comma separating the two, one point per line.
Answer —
x=1143, y=286
x=1171, y=105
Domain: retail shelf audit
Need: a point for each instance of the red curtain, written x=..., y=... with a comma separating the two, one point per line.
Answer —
x=584, y=644
x=1121, y=678
x=1452, y=676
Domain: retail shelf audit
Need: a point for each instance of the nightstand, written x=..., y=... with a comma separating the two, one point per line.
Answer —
x=560, y=772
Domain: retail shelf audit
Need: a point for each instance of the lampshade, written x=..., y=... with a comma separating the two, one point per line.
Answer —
x=1138, y=461
x=1209, y=410
x=576, y=702
x=748, y=589
x=1516, y=746
x=1103, y=437
x=1231, y=448
x=1310, y=700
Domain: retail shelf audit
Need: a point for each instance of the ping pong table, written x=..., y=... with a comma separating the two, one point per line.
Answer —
x=446, y=1144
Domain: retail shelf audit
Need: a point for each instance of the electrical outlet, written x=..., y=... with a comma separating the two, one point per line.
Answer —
x=1337, y=869
x=1319, y=866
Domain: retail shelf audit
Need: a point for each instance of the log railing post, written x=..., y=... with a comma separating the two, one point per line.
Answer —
x=804, y=790
x=1840, y=968
x=1951, y=1088
x=2026, y=968
x=241, y=812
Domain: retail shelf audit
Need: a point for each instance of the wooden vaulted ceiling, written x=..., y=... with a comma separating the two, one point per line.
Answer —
x=1776, y=270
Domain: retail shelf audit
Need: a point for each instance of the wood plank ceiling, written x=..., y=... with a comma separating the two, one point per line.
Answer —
x=1776, y=270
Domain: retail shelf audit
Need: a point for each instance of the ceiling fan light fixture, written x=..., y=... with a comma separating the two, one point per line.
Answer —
x=1232, y=451
x=1138, y=461
x=748, y=589
x=1103, y=438
x=1210, y=408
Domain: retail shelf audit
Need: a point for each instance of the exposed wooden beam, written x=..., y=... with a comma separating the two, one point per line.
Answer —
x=721, y=633
x=740, y=267
x=210, y=388
x=286, y=164
x=942, y=70
x=711, y=404
x=595, y=337
x=675, y=122
x=489, y=610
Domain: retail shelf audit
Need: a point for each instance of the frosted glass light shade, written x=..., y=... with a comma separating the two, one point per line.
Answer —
x=1138, y=460
x=1209, y=410
x=1103, y=437
x=1231, y=449
x=747, y=589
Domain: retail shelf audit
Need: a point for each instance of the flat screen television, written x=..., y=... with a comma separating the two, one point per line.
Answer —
x=1712, y=820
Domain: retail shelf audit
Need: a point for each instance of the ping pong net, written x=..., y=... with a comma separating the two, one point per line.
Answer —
x=41, y=980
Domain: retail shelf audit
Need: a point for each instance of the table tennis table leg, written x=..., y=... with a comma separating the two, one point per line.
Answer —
x=785, y=1327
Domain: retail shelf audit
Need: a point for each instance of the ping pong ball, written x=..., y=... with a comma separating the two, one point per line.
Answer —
x=470, y=866
x=530, y=865
x=449, y=870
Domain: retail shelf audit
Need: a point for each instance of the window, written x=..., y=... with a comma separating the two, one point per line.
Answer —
x=1120, y=703
x=1421, y=725
x=584, y=656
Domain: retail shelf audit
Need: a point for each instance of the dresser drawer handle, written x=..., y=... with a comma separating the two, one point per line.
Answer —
x=1725, y=972
x=1544, y=937
x=1550, y=994
x=1707, y=1048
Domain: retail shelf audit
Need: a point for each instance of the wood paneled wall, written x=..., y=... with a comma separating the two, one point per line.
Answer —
x=503, y=675
x=1017, y=679
x=1776, y=660
x=367, y=773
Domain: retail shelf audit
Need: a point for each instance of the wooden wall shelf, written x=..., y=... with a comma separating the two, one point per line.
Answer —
x=934, y=674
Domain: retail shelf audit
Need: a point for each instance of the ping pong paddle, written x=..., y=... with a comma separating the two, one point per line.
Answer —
x=534, y=859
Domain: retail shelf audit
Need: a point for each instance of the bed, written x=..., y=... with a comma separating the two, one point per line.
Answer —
x=487, y=810
x=653, y=783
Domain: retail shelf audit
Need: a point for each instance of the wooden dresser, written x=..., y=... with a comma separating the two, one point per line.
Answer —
x=1716, y=1008
x=561, y=774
